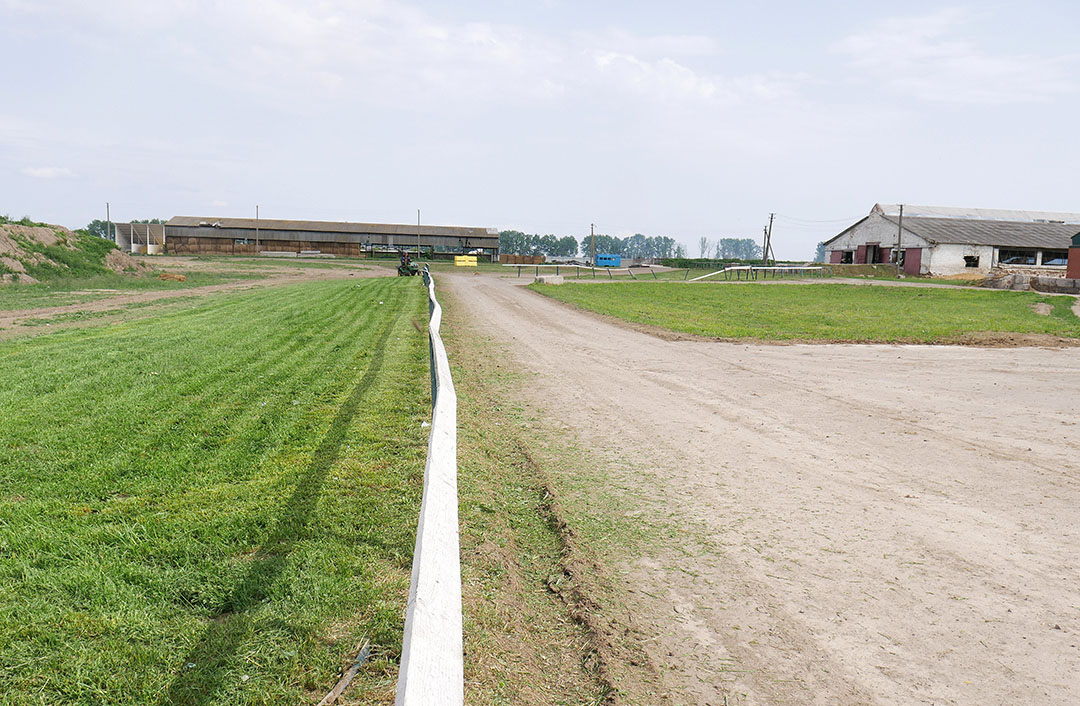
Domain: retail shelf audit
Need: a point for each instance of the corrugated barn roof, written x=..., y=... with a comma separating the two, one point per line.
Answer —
x=332, y=227
x=1010, y=234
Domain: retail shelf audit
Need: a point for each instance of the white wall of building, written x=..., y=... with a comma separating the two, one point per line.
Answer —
x=876, y=229
x=948, y=259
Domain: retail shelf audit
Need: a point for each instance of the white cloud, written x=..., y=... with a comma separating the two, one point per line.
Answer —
x=48, y=172
x=382, y=53
x=926, y=57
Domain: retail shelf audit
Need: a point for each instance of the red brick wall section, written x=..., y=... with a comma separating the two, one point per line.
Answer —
x=1073, y=269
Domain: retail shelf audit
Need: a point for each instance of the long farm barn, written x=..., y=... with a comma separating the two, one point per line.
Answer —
x=193, y=235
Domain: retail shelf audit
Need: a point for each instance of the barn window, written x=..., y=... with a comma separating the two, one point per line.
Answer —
x=1016, y=257
x=848, y=257
x=1056, y=258
x=242, y=241
x=971, y=260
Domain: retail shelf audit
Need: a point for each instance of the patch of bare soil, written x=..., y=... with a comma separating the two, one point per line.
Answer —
x=122, y=263
x=997, y=339
x=962, y=277
x=847, y=524
x=1042, y=308
x=20, y=277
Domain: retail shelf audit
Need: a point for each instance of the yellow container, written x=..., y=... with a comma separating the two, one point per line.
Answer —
x=464, y=260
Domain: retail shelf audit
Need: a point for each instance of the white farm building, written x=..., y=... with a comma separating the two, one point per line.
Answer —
x=948, y=241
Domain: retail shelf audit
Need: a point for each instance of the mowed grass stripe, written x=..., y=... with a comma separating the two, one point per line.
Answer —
x=823, y=312
x=124, y=546
x=198, y=382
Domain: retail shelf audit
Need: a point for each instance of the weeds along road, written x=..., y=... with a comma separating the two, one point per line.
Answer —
x=851, y=524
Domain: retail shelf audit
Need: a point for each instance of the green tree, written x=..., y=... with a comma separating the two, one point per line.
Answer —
x=568, y=246
x=607, y=244
x=819, y=253
x=99, y=229
x=512, y=242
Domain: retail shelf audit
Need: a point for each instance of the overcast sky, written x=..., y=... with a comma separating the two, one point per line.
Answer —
x=685, y=119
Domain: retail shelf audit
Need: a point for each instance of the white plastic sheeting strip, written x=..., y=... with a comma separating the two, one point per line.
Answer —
x=432, y=669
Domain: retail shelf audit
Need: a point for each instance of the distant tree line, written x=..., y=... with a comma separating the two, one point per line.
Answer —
x=515, y=242
x=729, y=249
x=636, y=245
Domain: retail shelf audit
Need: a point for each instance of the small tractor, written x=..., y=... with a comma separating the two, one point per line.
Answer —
x=407, y=268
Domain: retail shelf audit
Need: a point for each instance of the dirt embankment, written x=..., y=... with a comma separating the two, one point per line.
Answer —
x=26, y=251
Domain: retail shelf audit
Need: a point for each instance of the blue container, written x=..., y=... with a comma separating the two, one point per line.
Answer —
x=608, y=260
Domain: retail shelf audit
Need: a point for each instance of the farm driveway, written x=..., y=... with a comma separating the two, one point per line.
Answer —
x=882, y=524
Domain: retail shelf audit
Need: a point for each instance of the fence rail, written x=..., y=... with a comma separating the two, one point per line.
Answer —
x=432, y=670
x=579, y=268
x=774, y=271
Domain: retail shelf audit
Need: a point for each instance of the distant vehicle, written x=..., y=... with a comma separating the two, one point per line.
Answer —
x=407, y=268
x=608, y=260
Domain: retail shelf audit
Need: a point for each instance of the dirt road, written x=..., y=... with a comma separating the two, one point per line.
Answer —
x=874, y=524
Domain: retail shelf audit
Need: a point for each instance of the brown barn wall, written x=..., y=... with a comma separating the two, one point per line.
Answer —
x=191, y=245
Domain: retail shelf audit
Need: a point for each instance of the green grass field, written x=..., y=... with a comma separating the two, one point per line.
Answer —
x=822, y=312
x=79, y=290
x=214, y=505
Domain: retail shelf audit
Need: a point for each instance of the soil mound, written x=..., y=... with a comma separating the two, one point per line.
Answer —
x=33, y=252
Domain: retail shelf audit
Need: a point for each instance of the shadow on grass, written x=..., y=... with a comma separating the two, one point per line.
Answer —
x=204, y=668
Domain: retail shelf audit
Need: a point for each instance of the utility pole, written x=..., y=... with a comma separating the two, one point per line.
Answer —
x=899, y=236
x=256, y=229
x=592, y=242
x=417, y=234
x=768, y=242
x=108, y=223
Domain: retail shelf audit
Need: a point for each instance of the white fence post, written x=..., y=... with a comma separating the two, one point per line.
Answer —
x=432, y=667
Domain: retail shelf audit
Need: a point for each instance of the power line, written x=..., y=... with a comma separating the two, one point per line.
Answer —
x=811, y=221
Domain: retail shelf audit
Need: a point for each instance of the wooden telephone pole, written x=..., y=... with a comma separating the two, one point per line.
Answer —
x=766, y=245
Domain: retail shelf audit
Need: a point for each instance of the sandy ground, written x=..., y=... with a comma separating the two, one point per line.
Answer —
x=865, y=524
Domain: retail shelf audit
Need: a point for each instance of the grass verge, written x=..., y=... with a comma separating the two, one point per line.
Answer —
x=215, y=505
x=544, y=622
x=824, y=312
